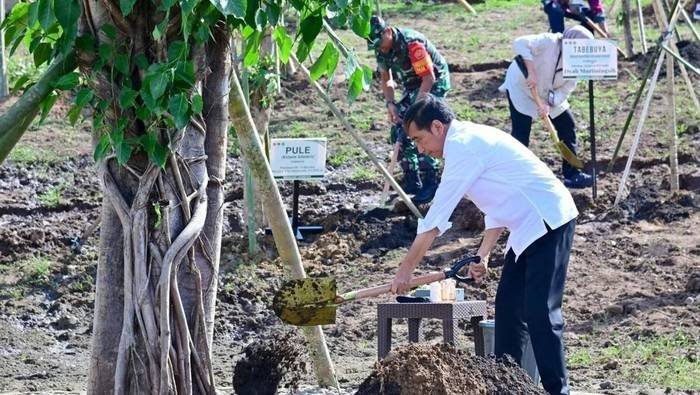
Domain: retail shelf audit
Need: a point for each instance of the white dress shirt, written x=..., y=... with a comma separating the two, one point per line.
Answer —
x=543, y=50
x=506, y=181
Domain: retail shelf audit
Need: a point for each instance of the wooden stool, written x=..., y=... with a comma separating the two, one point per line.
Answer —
x=449, y=313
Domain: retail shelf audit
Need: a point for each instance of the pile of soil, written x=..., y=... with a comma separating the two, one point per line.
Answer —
x=276, y=362
x=421, y=368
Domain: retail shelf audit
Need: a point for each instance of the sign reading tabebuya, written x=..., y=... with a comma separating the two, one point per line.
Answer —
x=589, y=59
x=298, y=159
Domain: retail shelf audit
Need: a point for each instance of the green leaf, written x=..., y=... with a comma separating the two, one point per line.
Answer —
x=159, y=30
x=73, y=115
x=303, y=50
x=126, y=6
x=236, y=8
x=46, y=106
x=185, y=73
x=102, y=148
x=252, y=49
x=368, y=75
x=177, y=51
x=127, y=97
x=284, y=43
x=141, y=61
x=159, y=155
x=178, y=108
x=67, y=13
x=187, y=6
x=143, y=113
x=105, y=52
x=85, y=43
x=46, y=15
x=33, y=14
x=67, y=82
x=19, y=84
x=251, y=12
x=360, y=25
x=326, y=63
x=158, y=85
x=355, y=84
x=202, y=33
x=84, y=97
x=121, y=63
x=41, y=54
x=110, y=31
x=273, y=13
x=197, y=104
x=310, y=27
x=123, y=153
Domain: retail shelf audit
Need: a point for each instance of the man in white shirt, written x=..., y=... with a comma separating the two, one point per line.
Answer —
x=517, y=191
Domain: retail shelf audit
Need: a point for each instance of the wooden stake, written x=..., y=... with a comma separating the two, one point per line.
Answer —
x=627, y=24
x=661, y=18
x=467, y=6
x=673, y=141
x=359, y=140
x=640, y=22
x=390, y=169
x=640, y=125
x=4, y=83
x=248, y=186
x=690, y=23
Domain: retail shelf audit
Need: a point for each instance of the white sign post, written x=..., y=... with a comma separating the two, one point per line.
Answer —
x=298, y=159
x=589, y=59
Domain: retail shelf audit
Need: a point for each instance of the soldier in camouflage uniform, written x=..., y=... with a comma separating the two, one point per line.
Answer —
x=421, y=69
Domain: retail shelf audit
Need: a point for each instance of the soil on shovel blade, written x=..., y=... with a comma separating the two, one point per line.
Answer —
x=276, y=362
x=439, y=369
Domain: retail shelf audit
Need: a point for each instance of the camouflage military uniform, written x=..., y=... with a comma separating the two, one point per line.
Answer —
x=398, y=60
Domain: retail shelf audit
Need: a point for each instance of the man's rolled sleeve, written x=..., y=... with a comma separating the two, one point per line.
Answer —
x=459, y=175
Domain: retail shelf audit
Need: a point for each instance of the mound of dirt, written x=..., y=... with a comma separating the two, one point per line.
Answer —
x=421, y=368
x=270, y=364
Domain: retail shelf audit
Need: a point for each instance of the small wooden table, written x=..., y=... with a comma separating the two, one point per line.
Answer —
x=449, y=313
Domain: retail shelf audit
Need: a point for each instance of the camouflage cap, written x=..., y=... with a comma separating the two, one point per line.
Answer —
x=377, y=26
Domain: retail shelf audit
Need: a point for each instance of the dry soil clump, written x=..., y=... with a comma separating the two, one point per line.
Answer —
x=421, y=369
x=270, y=364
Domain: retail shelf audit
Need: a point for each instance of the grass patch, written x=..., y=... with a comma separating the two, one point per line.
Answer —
x=35, y=270
x=299, y=130
x=361, y=173
x=663, y=361
x=344, y=155
x=23, y=153
x=52, y=197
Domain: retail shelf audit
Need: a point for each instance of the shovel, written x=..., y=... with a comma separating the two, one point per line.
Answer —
x=314, y=301
x=558, y=144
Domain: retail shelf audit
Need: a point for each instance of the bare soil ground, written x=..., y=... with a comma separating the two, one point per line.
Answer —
x=632, y=303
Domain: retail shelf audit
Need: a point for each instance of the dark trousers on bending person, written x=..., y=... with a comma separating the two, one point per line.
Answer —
x=529, y=300
x=566, y=130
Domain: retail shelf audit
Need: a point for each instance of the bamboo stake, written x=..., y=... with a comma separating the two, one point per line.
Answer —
x=640, y=22
x=627, y=25
x=253, y=153
x=4, y=83
x=673, y=141
x=661, y=18
x=390, y=169
x=640, y=125
x=467, y=6
x=248, y=187
x=690, y=23
x=359, y=140
x=647, y=73
x=681, y=60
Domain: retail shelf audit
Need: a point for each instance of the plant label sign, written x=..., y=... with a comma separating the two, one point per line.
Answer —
x=298, y=159
x=589, y=59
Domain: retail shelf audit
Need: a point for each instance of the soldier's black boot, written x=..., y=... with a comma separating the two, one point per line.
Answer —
x=430, y=184
x=411, y=182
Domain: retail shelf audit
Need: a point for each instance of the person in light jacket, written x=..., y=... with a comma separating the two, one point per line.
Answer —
x=542, y=62
x=515, y=191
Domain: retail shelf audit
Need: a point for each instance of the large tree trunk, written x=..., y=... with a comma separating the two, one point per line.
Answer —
x=160, y=237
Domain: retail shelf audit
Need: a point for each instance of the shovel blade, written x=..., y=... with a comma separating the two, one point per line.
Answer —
x=568, y=155
x=306, y=302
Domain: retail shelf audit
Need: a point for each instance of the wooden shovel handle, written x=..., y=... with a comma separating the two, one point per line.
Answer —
x=547, y=122
x=600, y=32
x=386, y=288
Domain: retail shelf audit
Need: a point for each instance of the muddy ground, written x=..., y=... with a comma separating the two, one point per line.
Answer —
x=634, y=275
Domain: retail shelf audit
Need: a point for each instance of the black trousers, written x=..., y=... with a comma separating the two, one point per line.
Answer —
x=529, y=300
x=566, y=130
